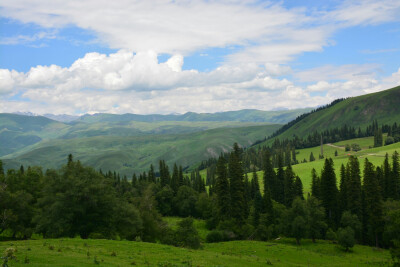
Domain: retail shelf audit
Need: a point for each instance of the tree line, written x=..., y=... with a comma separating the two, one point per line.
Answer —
x=79, y=201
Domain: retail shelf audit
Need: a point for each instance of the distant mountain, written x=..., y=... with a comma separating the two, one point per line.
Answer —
x=61, y=117
x=129, y=154
x=245, y=115
x=131, y=142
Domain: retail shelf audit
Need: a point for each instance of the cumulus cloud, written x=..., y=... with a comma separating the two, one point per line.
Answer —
x=264, y=36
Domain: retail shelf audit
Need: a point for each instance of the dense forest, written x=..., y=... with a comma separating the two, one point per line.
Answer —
x=80, y=201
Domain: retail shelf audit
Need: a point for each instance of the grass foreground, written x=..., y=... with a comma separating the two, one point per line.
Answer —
x=284, y=252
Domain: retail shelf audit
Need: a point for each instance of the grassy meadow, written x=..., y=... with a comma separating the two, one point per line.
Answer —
x=283, y=252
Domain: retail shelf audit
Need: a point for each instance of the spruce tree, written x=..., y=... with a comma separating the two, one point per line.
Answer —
x=329, y=192
x=373, y=201
x=315, y=184
x=235, y=173
x=279, y=190
x=298, y=188
x=354, y=187
x=396, y=175
x=388, y=186
x=269, y=176
x=222, y=190
x=289, y=186
x=312, y=158
x=151, y=176
x=343, y=189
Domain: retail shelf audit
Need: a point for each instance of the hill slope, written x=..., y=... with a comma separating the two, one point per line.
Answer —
x=356, y=111
x=128, y=154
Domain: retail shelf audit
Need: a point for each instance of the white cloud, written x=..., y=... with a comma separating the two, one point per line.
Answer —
x=343, y=72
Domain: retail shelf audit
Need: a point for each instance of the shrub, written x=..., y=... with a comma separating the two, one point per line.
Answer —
x=346, y=238
x=355, y=147
x=187, y=235
x=389, y=140
x=215, y=236
x=347, y=147
x=331, y=235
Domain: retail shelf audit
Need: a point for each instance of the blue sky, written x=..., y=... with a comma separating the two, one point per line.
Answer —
x=203, y=56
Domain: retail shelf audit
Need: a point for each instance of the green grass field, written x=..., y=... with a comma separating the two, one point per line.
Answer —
x=79, y=252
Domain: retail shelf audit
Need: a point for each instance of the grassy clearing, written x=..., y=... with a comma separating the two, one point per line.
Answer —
x=78, y=252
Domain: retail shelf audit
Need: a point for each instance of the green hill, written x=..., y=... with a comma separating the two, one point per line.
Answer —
x=128, y=154
x=356, y=112
x=17, y=131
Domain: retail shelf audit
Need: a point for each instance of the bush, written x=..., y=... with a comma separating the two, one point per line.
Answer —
x=187, y=235
x=355, y=147
x=389, y=140
x=347, y=148
x=215, y=236
x=331, y=235
x=346, y=237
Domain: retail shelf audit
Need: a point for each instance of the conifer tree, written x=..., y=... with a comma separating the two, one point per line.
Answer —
x=388, y=186
x=269, y=176
x=315, y=184
x=343, y=194
x=395, y=175
x=238, y=208
x=175, y=179
x=279, y=190
x=373, y=201
x=312, y=158
x=354, y=187
x=222, y=190
x=329, y=192
x=289, y=186
x=151, y=176
x=298, y=188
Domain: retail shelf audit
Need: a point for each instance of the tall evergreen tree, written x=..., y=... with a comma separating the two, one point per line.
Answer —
x=298, y=188
x=315, y=184
x=235, y=172
x=343, y=189
x=269, y=175
x=289, y=186
x=396, y=175
x=279, y=190
x=354, y=187
x=373, y=201
x=151, y=176
x=329, y=192
x=175, y=179
x=387, y=189
x=222, y=190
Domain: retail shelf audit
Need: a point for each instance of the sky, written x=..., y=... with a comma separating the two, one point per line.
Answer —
x=157, y=56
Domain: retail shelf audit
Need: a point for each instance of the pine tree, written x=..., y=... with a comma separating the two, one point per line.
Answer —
x=164, y=174
x=354, y=187
x=396, y=175
x=269, y=176
x=387, y=190
x=289, y=186
x=329, y=192
x=373, y=201
x=279, y=190
x=222, y=190
x=175, y=179
x=315, y=184
x=312, y=158
x=298, y=188
x=151, y=176
x=238, y=208
x=343, y=189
